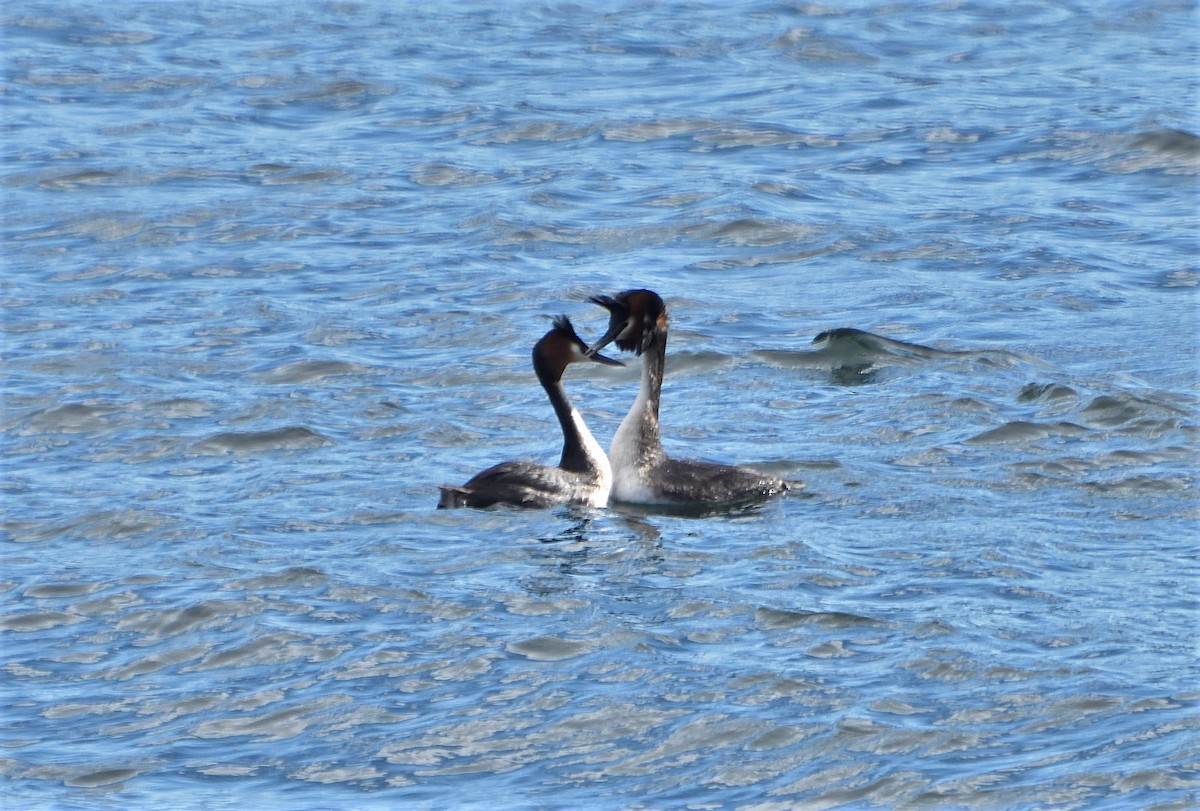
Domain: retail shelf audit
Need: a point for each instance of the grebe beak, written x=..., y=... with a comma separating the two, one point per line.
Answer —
x=593, y=355
x=616, y=325
x=608, y=338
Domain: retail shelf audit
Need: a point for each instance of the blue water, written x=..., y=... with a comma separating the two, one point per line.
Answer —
x=272, y=273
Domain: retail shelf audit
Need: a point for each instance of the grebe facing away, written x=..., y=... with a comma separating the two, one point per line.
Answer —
x=583, y=475
x=642, y=471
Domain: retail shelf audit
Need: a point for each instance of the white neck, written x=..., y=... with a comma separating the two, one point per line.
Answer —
x=636, y=447
x=596, y=460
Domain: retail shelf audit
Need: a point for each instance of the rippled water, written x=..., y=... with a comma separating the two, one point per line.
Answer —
x=271, y=274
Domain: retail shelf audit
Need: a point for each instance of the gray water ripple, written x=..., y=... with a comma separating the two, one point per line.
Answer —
x=272, y=439
x=273, y=273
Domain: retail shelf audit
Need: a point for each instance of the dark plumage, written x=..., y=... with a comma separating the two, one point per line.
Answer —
x=583, y=475
x=642, y=471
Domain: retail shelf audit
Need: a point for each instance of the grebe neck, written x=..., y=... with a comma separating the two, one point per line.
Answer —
x=638, y=441
x=581, y=452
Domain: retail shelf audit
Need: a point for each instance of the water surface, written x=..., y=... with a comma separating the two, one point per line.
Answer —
x=271, y=274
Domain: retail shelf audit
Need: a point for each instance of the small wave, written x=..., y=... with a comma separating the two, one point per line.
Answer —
x=1169, y=142
x=447, y=174
x=1162, y=150
x=536, y=132
x=37, y=621
x=1108, y=411
x=103, y=777
x=59, y=590
x=852, y=354
x=860, y=339
x=1179, y=278
x=834, y=620
x=803, y=44
x=316, y=773
x=81, y=179
x=68, y=418
x=290, y=438
x=271, y=726
x=345, y=87
x=1142, y=485
x=99, y=525
x=1171, y=151
x=153, y=662
x=99, y=229
x=307, y=371
x=294, y=576
x=336, y=176
x=1046, y=393
x=1024, y=431
x=733, y=135
x=550, y=648
x=707, y=732
x=755, y=232
x=624, y=237
x=683, y=362
x=272, y=648
x=642, y=131
x=1124, y=413
x=164, y=623
x=181, y=407
x=343, y=94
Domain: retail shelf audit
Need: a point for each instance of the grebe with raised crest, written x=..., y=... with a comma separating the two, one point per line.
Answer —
x=583, y=475
x=642, y=471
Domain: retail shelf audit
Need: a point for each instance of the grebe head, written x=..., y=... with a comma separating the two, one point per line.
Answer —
x=636, y=319
x=562, y=346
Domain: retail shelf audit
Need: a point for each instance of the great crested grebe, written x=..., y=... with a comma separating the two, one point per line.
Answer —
x=642, y=471
x=583, y=475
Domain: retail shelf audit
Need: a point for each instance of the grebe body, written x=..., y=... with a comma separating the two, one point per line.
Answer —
x=583, y=475
x=642, y=471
